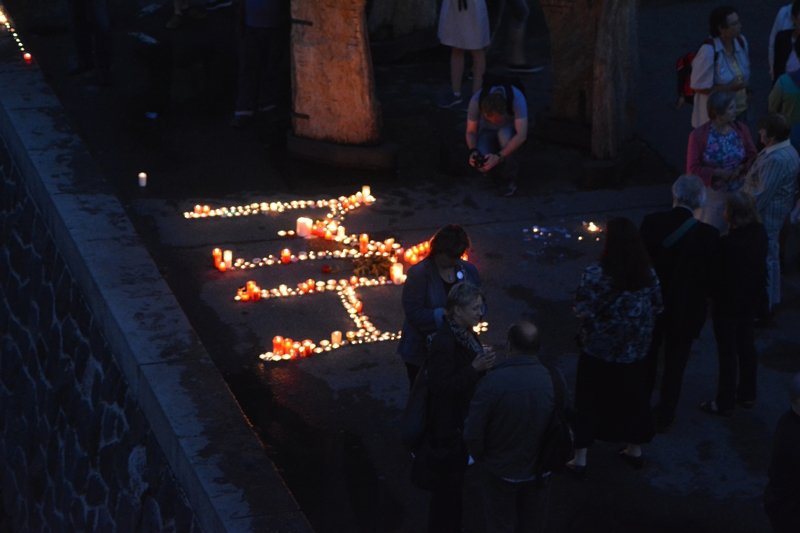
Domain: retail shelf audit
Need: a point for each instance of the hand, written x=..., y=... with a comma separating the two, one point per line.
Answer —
x=483, y=361
x=492, y=160
x=475, y=158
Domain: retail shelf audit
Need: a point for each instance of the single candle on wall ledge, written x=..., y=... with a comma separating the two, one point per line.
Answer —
x=142, y=179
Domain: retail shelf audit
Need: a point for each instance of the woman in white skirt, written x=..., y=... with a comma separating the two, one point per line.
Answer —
x=464, y=25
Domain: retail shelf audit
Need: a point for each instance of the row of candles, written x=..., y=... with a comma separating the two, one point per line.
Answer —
x=4, y=20
x=253, y=292
x=338, y=206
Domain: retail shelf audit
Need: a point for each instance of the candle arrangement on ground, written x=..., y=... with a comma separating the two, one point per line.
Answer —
x=6, y=24
x=551, y=241
x=374, y=263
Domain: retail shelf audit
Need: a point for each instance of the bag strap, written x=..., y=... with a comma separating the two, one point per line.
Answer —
x=676, y=235
x=560, y=395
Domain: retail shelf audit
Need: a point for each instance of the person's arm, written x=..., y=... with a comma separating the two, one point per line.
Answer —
x=517, y=140
x=777, y=25
x=477, y=420
x=694, y=156
x=769, y=176
x=702, y=79
x=775, y=100
x=472, y=141
x=415, y=289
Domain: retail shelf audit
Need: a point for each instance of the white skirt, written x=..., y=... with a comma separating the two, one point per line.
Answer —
x=467, y=29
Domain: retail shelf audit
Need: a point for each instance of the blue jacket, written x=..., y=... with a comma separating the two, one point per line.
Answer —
x=424, y=298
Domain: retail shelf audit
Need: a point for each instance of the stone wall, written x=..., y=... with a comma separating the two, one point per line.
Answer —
x=112, y=415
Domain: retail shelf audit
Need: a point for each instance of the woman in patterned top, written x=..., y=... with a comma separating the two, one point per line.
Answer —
x=616, y=303
x=719, y=152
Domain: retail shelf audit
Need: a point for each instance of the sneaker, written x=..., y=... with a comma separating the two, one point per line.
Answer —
x=524, y=68
x=449, y=101
x=511, y=189
x=213, y=5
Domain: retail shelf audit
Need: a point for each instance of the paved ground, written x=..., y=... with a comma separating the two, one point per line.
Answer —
x=330, y=421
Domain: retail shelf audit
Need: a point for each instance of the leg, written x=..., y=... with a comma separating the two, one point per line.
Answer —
x=584, y=407
x=510, y=167
x=487, y=141
x=478, y=69
x=531, y=507
x=725, y=335
x=773, y=266
x=748, y=360
x=412, y=371
x=499, y=504
x=456, y=69
x=652, y=356
x=678, y=345
x=518, y=11
x=444, y=515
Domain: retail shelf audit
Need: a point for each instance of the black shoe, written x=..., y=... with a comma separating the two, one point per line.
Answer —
x=636, y=462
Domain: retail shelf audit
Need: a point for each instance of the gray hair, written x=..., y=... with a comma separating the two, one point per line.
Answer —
x=461, y=295
x=718, y=103
x=689, y=191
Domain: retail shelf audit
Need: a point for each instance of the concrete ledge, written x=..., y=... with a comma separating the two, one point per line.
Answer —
x=217, y=460
x=377, y=157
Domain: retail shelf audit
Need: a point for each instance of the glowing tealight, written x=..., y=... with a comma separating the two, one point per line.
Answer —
x=27, y=57
x=142, y=179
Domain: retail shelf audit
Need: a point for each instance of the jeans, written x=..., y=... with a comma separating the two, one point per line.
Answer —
x=737, y=358
x=491, y=142
x=511, y=507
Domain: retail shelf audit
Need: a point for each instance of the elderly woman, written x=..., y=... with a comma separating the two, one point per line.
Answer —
x=739, y=286
x=719, y=152
x=722, y=64
x=455, y=362
x=425, y=293
x=616, y=304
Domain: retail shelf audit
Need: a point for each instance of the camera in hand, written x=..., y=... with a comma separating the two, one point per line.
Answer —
x=479, y=159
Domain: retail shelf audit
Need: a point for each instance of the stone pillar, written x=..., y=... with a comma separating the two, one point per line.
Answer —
x=593, y=47
x=333, y=89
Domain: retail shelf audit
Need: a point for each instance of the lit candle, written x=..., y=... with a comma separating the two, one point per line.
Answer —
x=216, y=253
x=359, y=306
x=198, y=209
x=142, y=179
x=286, y=256
x=363, y=243
x=353, y=280
x=396, y=273
x=27, y=57
x=340, y=233
x=336, y=337
x=277, y=345
x=328, y=235
x=227, y=256
x=206, y=209
x=222, y=267
x=366, y=192
x=303, y=228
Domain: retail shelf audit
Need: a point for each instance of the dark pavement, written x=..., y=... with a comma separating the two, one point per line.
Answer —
x=330, y=421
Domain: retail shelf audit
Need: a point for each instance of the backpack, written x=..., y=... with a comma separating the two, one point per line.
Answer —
x=683, y=70
x=507, y=82
x=556, y=446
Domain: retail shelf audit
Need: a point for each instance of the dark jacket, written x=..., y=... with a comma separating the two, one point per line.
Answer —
x=686, y=270
x=451, y=382
x=424, y=298
x=783, y=49
x=741, y=283
x=508, y=414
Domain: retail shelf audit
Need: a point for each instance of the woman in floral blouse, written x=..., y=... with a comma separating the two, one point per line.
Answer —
x=720, y=152
x=616, y=303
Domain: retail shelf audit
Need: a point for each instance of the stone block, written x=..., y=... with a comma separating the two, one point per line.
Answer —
x=77, y=515
x=96, y=490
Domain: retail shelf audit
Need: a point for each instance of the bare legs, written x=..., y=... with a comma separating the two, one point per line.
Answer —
x=457, y=69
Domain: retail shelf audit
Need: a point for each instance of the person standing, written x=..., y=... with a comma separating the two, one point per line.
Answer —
x=719, y=152
x=785, y=57
x=616, y=303
x=723, y=64
x=783, y=21
x=684, y=252
x=91, y=29
x=464, y=25
x=772, y=180
x=739, y=288
x=508, y=415
x=259, y=46
x=425, y=293
x=497, y=126
x=456, y=360
x=782, y=495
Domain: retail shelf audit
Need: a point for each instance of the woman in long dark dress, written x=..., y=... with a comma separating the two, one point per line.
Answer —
x=616, y=303
x=454, y=364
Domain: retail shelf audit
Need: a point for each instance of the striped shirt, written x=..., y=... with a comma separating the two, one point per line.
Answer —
x=772, y=179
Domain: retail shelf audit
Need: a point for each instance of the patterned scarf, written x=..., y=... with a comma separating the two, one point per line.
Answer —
x=465, y=337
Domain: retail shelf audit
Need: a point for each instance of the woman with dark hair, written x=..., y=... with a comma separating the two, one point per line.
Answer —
x=739, y=288
x=616, y=303
x=425, y=293
x=722, y=63
x=455, y=362
x=719, y=152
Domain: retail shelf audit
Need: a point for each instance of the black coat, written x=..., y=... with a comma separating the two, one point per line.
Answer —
x=741, y=282
x=686, y=270
x=783, y=49
x=452, y=381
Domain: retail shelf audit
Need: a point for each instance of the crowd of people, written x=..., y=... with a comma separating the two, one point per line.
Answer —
x=640, y=307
